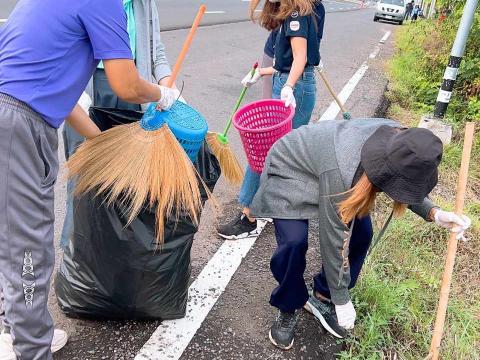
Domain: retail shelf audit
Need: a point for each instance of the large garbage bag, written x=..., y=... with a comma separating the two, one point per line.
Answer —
x=114, y=271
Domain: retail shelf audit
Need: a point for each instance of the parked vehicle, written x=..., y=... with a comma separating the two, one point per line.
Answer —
x=393, y=10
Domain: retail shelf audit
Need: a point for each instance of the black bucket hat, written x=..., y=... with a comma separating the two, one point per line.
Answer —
x=403, y=163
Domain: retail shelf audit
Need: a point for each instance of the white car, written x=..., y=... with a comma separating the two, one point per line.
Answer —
x=393, y=10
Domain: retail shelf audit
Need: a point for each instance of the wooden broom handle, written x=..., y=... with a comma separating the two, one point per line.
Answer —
x=332, y=92
x=452, y=246
x=186, y=45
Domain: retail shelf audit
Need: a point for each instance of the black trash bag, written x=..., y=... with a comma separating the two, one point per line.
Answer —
x=111, y=271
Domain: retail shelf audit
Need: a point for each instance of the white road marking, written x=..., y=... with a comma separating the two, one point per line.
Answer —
x=215, y=12
x=385, y=37
x=333, y=109
x=375, y=52
x=171, y=338
x=3, y=20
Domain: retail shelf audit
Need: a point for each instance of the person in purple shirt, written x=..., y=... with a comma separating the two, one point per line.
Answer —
x=46, y=61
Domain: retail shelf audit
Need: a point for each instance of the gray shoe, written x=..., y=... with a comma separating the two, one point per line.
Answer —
x=325, y=313
x=282, y=331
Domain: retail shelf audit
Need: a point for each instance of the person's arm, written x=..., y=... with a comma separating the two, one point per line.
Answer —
x=424, y=210
x=333, y=235
x=446, y=219
x=105, y=22
x=127, y=84
x=81, y=123
x=299, y=49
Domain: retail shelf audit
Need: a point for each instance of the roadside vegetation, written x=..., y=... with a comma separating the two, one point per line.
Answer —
x=398, y=291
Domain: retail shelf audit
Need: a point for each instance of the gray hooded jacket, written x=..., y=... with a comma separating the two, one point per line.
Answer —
x=306, y=175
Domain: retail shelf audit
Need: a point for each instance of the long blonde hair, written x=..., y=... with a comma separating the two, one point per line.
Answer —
x=361, y=201
x=273, y=14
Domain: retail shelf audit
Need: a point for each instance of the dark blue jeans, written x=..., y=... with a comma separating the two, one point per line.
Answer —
x=288, y=262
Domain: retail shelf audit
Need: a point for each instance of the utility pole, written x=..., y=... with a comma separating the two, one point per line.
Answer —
x=456, y=56
x=435, y=123
x=431, y=9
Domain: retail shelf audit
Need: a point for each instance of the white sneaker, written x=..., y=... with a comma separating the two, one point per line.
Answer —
x=6, y=347
x=60, y=338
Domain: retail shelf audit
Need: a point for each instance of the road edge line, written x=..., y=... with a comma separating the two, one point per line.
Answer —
x=333, y=109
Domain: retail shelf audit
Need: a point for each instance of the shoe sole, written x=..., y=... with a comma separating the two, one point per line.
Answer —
x=254, y=233
x=280, y=346
x=60, y=345
x=316, y=313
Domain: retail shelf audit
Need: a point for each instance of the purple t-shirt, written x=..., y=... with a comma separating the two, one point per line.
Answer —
x=49, y=49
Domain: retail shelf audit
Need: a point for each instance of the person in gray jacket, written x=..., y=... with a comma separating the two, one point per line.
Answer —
x=143, y=24
x=333, y=171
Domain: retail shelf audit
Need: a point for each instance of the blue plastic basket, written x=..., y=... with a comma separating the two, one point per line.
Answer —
x=186, y=123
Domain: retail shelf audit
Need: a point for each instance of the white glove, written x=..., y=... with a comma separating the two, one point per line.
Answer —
x=453, y=222
x=167, y=98
x=85, y=102
x=249, y=80
x=179, y=96
x=320, y=66
x=346, y=315
x=287, y=96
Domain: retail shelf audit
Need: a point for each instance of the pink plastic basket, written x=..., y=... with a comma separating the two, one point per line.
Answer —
x=260, y=125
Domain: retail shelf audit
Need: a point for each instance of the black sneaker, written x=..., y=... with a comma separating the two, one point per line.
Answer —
x=239, y=228
x=325, y=312
x=282, y=331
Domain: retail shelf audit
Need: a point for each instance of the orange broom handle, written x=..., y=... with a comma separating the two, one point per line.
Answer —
x=186, y=45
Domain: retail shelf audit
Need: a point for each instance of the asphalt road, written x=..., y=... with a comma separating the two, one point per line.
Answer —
x=237, y=326
x=177, y=14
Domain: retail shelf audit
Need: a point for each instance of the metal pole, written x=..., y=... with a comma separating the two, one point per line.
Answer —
x=458, y=50
x=432, y=9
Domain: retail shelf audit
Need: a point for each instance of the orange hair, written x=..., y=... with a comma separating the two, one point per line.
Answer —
x=361, y=201
x=273, y=14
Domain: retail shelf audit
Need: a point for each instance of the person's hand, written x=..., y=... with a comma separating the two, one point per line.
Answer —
x=249, y=80
x=453, y=222
x=320, y=66
x=287, y=96
x=346, y=315
x=167, y=98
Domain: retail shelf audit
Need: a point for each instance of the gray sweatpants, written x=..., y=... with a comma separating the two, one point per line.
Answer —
x=28, y=168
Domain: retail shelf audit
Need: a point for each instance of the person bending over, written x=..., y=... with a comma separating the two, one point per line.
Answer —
x=333, y=171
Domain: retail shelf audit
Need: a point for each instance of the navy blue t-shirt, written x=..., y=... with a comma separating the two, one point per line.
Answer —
x=320, y=18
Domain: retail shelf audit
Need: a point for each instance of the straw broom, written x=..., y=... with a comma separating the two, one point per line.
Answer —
x=136, y=167
x=220, y=147
x=452, y=246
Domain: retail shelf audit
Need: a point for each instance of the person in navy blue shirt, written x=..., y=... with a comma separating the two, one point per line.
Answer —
x=46, y=60
x=294, y=44
x=269, y=48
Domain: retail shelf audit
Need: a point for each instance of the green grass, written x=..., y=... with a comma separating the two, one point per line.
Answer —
x=397, y=295
x=398, y=291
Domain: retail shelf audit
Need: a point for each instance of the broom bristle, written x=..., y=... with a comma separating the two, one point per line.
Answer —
x=139, y=168
x=229, y=164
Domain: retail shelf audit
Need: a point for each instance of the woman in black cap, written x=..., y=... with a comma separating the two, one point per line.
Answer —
x=333, y=171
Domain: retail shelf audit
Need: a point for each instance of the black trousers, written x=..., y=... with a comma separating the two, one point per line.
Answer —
x=288, y=262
